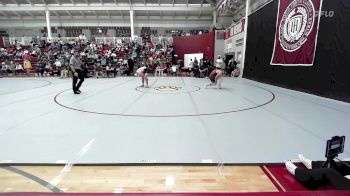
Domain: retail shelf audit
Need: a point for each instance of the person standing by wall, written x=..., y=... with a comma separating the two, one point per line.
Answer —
x=220, y=63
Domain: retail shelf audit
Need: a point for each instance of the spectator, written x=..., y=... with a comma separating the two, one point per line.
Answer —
x=3, y=68
x=220, y=63
x=41, y=68
x=203, y=70
x=130, y=66
x=48, y=69
x=27, y=65
x=195, y=68
x=12, y=68
x=18, y=68
x=65, y=69
x=98, y=70
x=58, y=65
x=110, y=69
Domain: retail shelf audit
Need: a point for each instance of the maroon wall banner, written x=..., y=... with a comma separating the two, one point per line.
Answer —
x=296, y=32
x=204, y=43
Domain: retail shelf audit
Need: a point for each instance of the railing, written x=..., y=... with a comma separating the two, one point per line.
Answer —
x=25, y=41
x=19, y=40
x=161, y=39
x=64, y=39
x=116, y=40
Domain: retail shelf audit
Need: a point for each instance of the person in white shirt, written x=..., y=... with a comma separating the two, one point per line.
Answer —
x=58, y=65
x=64, y=70
x=220, y=63
x=18, y=68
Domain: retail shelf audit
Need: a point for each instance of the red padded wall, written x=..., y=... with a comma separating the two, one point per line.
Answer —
x=195, y=44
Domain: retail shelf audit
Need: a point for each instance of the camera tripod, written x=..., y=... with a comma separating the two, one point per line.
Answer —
x=330, y=163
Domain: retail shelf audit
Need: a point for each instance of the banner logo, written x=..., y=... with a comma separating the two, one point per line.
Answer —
x=167, y=88
x=297, y=23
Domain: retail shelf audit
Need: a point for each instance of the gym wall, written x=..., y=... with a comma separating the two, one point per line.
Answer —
x=330, y=74
x=195, y=44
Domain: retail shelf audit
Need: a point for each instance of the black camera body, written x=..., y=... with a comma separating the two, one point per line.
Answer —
x=335, y=146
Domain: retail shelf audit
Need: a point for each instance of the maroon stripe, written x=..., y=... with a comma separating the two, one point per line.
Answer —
x=271, y=178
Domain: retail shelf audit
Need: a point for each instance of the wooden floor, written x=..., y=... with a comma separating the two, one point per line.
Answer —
x=110, y=179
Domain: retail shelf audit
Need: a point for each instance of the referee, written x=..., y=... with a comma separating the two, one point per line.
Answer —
x=75, y=65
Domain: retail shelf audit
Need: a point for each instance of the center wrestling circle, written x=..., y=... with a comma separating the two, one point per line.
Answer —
x=144, y=106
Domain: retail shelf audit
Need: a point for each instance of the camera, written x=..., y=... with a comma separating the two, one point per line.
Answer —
x=335, y=146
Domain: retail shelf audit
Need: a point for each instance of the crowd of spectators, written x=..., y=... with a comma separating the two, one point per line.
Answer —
x=99, y=60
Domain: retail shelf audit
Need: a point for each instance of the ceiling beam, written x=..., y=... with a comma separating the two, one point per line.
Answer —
x=30, y=14
x=211, y=2
x=17, y=14
x=96, y=14
x=56, y=14
x=121, y=13
x=82, y=14
x=240, y=8
x=15, y=2
x=69, y=14
x=103, y=7
x=30, y=2
x=3, y=13
x=109, y=14
x=219, y=2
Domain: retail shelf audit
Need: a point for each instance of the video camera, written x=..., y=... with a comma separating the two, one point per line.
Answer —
x=334, y=147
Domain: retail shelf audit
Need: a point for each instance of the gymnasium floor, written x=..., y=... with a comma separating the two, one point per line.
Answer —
x=176, y=120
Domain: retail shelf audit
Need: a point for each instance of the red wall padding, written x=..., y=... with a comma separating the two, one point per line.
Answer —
x=195, y=44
